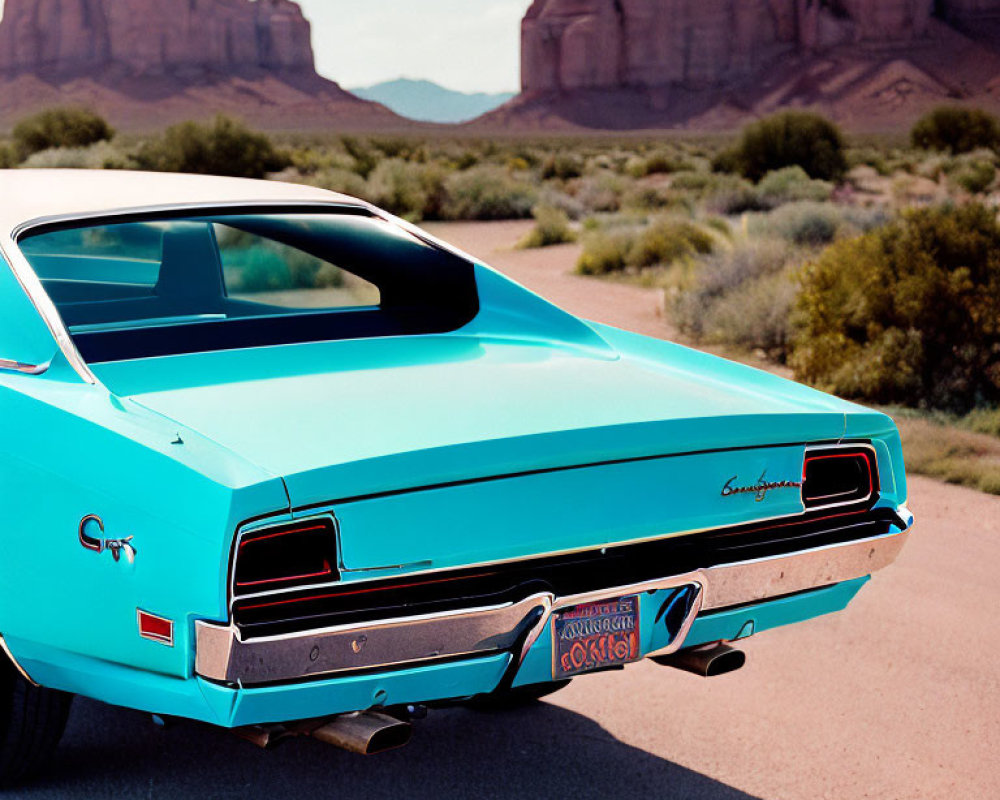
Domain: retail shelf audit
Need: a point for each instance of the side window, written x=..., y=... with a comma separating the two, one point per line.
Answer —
x=269, y=273
x=100, y=263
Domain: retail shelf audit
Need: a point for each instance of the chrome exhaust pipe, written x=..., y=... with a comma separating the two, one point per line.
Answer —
x=366, y=732
x=708, y=661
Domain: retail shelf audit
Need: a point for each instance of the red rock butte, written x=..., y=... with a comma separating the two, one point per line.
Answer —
x=145, y=63
x=872, y=64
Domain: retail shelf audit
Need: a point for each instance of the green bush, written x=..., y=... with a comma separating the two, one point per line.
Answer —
x=60, y=127
x=662, y=243
x=604, y=253
x=975, y=176
x=788, y=139
x=222, y=147
x=790, y=185
x=8, y=158
x=907, y=313
x=667, y=241
x=103, y=155
x=414, y=191
x=551, y=228
x=956, y=130
x=808, y=224
x=336, y=179
x=487, y=193
x=562, y=166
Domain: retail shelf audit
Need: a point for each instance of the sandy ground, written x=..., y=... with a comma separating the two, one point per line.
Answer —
x=898, y=697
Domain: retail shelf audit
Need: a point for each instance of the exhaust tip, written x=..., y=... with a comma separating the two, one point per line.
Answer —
x=389, y=738
x=728, y=660
x=709, y=661
x=366, y=733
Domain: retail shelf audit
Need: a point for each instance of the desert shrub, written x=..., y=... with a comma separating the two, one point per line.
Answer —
x=975, y=176
x=604, y=252
x=646, y=197
x=336, y=179
x=729, y=195
x=693, y=181
x=221, y=147
x=551, y=227
x=562, y=166
x=411, y=190
x=956, y=130
x=364, y=157
x=60, y=127
x=806, y=223
x=907, y=313
x=601, y=192
x=666, y=241
x=487, y=193
x=102, y=155
x=788, y=139
x=8, y=158
x=790, y=185
x=657, y=163
x=741, y=297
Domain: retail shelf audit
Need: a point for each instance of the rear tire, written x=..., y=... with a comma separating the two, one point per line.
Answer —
x=509, y=699
x=32, y=720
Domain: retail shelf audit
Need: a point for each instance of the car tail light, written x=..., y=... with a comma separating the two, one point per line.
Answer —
x=844, y=476
x=295, y=554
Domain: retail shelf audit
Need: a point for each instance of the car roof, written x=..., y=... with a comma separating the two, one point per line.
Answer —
x=28, y=195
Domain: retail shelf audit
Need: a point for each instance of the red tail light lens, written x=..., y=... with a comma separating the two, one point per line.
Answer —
x=838, y=477
x=288, y=555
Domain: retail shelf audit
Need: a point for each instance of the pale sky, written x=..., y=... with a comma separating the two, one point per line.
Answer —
x=472, y=45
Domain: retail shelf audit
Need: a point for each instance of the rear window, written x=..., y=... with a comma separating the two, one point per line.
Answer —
x=156, y=286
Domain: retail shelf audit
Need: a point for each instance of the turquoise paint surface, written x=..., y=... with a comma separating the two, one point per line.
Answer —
x=178, y=451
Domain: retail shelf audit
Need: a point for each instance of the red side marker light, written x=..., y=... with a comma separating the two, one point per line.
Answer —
x=156, y=629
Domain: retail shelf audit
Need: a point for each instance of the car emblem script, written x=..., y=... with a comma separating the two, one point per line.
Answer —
x=760, y=489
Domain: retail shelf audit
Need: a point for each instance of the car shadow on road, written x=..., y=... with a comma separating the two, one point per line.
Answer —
x=542, y=750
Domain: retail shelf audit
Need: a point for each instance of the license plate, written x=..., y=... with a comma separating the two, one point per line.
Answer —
x=595, y=636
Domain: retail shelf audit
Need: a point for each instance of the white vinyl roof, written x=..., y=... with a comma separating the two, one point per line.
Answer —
x=28, y=195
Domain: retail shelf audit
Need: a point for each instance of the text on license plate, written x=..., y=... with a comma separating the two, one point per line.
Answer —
x=594, y=636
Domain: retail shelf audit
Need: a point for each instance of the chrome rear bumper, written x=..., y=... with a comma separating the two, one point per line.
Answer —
x=223, y=656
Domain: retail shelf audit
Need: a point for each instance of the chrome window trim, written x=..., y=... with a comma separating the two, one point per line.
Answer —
x=223, y=655
x=32, y=286
x=329, y=512
x=46, y=309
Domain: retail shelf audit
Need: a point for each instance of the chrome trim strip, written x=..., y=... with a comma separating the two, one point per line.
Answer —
x=329, y=511
x=17, y=666
x=6, y=365
x=223, y=655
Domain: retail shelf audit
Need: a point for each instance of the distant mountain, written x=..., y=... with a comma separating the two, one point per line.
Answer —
x=427, y=102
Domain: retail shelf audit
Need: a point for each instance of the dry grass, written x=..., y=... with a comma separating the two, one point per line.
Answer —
x=943, y=450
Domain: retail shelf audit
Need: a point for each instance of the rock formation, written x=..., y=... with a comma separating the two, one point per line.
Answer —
x=152, y=61
x=619, y=63
x=154, y=35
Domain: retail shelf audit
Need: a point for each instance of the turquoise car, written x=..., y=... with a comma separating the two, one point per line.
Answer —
x=277, y=461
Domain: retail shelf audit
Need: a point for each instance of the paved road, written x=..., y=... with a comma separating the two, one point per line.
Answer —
x=898, y=697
